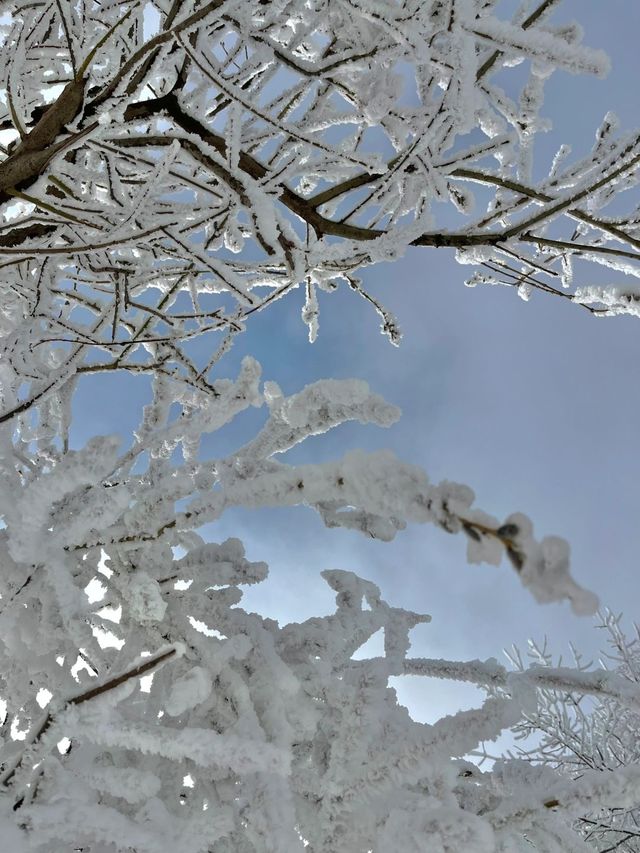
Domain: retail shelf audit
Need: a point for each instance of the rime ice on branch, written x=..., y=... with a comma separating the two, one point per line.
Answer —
x=173, y=168
x=144, y=707
x=176, y=166
x=585, y=722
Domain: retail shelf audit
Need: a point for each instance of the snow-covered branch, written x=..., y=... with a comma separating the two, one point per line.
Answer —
x=165, y=155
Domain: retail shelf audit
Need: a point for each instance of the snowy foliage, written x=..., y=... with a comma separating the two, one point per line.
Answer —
x=589, y=724
x=145, y=709
x=170, y=168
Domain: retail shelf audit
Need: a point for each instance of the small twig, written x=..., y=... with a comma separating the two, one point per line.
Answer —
x=80, y=699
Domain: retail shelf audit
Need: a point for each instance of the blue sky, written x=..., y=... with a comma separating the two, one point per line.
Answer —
x=535, y=405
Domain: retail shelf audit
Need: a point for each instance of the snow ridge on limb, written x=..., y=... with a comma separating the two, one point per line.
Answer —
x=374, y=493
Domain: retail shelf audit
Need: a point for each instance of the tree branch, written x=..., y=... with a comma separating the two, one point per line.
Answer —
x=80, y=699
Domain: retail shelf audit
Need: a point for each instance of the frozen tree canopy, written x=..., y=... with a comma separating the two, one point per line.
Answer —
x=144, y=709
x=171, y=167
x=590, y=723
x=168, y=169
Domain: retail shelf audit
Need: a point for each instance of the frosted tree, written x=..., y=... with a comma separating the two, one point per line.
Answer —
x=171, y=168
x=168, y=170
x=590, y=723
x=144, y=710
